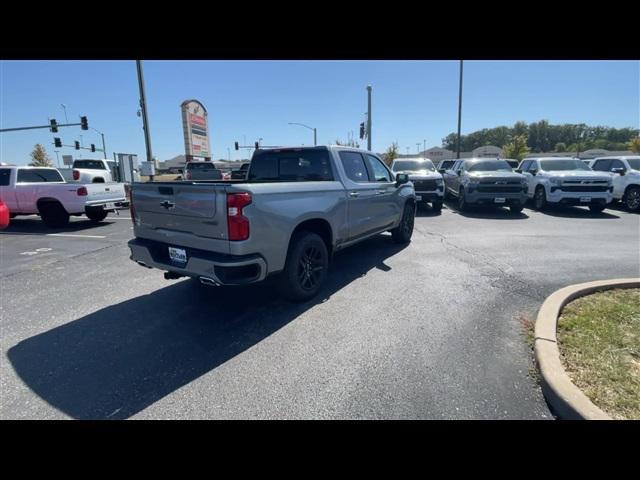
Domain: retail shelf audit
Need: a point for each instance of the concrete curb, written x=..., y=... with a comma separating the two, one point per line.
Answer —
x=567, y=400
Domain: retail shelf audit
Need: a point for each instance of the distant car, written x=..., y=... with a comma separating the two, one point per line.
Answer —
x=241, y=173
x=201, y=171
x=4, y=215
x=95, y=171
x=625, y=174
x=427, y=183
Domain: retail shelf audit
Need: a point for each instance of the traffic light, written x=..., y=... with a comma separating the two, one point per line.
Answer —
x=257, y=144
x=54, y=125
x=361, y=130
x=93, y=147
x=77, y=145
x=237, y=146
x=84, y=124
x=57, y=142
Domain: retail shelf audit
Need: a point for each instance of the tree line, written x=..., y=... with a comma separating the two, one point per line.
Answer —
x=544, y=137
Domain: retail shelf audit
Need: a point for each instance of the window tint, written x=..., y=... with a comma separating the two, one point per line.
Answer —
x=524, y=165
x=601, y=165
x=616, y=164
x=380, y=172
x=5, y=175
x=354, y=166
x=291, y=166
x=487, y=166
x=634, y=163
x=38, y=175
x=90, y=164
x=533, y=166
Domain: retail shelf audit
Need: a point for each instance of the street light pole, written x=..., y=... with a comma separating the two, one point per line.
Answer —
x=418, y=147
x=369, y=117
x=57, y=158
x=143, y=107
x=104, y=148
x=64, y=107
x=315, y=133
x=459, y=111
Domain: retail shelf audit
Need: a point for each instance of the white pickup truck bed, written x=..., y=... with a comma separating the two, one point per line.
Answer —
x=43, y=191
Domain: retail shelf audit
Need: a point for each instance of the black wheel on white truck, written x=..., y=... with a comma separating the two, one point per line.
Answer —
x=96, y=214
x=631, y=198
x=53, y=213
x=306, y=267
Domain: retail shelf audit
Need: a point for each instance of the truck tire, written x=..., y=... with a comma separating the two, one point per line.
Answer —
x=540, y=198
x=631, y=199
x=53, y=214
x=96, y=215
x=437, y=205
x=463, y=206
x=402, y=233
x=306, y=267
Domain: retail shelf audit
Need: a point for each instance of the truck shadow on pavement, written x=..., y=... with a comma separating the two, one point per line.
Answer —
x=35, y=225
x=563, y=211
x=481, y=211
x=115, y=362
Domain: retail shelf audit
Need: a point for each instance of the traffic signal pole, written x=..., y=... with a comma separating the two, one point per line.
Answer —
x=43, y=126
x=369, y=117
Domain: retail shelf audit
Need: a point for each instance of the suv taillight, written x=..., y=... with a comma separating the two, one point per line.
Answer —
x=238, y=224
x=76, y=175
x=82, y=192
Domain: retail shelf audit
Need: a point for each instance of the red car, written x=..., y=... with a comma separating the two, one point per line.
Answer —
x=4, y=215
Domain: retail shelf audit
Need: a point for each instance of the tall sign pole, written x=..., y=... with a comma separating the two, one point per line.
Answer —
x=143, y=107
x=369, y=117
x=459, y=111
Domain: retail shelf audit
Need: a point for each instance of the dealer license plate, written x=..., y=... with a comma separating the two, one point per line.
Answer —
x=499, y=200
x=178, y=255
x=585, y=199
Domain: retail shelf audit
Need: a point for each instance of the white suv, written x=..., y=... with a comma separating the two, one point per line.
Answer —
x=625, y=173
x=566, y=181
x=427, y=182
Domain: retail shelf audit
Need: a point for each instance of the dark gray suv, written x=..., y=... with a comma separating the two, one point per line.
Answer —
x=485, y=181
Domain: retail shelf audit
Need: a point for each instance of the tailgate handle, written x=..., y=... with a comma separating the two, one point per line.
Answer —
x=167, y=204
x=165, y=190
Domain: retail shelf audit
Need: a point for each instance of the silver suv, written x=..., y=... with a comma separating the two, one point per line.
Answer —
x=485, y=181
x=427, y=182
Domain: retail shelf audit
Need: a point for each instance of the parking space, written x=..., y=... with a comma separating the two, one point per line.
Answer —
x=428, y=330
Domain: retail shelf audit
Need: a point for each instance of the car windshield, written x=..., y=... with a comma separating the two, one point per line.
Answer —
x=489, y=166
x=634, y=163
x=413, y=166
x=569, y=164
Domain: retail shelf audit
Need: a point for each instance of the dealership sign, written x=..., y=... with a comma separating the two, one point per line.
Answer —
x=195, y=125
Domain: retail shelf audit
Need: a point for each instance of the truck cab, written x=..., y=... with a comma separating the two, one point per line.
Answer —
x=625, y=176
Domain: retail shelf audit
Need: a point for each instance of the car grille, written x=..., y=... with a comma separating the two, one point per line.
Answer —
x=424, y=184
x=499, y=189
x=584, y=188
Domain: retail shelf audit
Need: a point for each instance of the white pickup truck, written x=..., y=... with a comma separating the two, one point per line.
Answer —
x=94, y=171
x=625, y=175
x=43, y=191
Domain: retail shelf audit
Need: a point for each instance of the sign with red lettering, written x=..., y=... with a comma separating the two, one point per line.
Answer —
x=196, y=129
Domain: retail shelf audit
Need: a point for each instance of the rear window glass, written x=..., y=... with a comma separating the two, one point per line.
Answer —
x=291, y=166
x=90, y=164
x=38, y=175
x=200, y=166
x=5, y=175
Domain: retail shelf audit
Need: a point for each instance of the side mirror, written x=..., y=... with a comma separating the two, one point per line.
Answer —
x=620, y=170
x=401, y=179
x=533, y=172
x=459, y=172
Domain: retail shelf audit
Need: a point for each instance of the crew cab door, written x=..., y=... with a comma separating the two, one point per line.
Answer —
x=7, y=192
x=362, y=215
x=527, y=167
x=388, y=207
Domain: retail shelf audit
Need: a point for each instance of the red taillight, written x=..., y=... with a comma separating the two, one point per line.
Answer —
x=76, y=175
x=188, y=175
x=82, y=192
x=238, y=223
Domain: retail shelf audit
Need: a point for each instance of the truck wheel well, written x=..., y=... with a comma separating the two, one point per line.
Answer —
x=48, y=201
x=98, y=180
x=318, y=226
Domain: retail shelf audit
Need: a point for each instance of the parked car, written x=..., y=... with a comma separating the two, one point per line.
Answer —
x=565, y=181
x=486, y=181
x=428, y=183
x=625, y=173
x=4, y=215
x=201, y=171
x=444, y=165
x=513, y=163
x=295, y=209
x=95, y=171
x=43, y=191
x=241, y=173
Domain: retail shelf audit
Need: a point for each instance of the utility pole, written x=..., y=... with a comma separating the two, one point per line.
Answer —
x=418, y=147
x=459, y=111
x=145, y=118
x=424, y=146
x=57, y=158
x=369, y=117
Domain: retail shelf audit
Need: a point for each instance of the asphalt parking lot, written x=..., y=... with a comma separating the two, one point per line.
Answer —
x=427, y=331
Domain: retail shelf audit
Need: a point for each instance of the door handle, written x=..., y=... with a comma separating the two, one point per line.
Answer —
x=380, y=192
x=353, y=194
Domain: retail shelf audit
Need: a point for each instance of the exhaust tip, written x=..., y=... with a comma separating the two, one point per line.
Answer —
x=209, y=281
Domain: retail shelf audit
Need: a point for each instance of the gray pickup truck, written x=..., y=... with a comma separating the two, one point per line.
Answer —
x=296, y=207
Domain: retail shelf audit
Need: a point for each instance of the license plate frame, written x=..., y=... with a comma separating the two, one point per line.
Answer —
x=585, y=199
x=499, y=200
x=418, y=198
x=178, y=255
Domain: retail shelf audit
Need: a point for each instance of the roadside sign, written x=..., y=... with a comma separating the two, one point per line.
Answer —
x=195, y=124
x=67, y=159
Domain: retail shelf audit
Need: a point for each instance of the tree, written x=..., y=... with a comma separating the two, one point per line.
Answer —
x=561, y=147
x=391, y=154
x=517, y=148
x=634, y=145
x=39, y=157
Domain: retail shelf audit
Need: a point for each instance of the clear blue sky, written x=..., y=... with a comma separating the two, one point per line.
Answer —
x=412, y=100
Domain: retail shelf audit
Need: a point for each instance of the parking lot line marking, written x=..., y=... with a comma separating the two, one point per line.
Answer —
x=72, y=235
x=119, y=218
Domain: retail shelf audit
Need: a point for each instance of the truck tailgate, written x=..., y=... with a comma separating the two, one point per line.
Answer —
x=104, y=192
x=198, y=209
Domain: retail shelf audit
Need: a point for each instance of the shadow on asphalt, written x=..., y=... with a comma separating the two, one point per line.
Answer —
x=35, y=225
x=427, y=211
x=481, y=211
x=119, y=360
x=574, y=212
